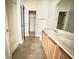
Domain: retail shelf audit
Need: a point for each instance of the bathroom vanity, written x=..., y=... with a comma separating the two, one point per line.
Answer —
x=58, y=44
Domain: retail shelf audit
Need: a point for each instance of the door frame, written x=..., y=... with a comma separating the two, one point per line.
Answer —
x=22, y=21
x=29, y=19
x=65, y=19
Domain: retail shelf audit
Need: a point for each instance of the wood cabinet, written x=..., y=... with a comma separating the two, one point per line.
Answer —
x=60, y=54
x=52, y=50
x=64, y=55
x=57, y=53
x=44, y=41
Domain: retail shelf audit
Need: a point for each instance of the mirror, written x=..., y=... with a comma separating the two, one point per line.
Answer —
x=66, y=21
x=61, y=20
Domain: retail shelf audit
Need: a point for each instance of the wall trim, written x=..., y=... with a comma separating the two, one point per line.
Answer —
x=14, y=47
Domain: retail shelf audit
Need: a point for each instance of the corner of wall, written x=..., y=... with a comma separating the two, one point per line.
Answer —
x=14, y=47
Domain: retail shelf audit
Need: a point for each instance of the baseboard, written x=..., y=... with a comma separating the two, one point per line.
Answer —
x=20, y=42
x=14, y=47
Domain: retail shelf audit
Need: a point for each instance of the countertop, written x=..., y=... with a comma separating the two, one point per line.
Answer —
x=64, y=39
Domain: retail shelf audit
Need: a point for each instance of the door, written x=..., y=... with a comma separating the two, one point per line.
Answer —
x=7, y=40
x=32, y=21
x=23, y=21
x=61, y=20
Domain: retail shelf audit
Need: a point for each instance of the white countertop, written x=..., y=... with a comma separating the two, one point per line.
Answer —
x=64, y=39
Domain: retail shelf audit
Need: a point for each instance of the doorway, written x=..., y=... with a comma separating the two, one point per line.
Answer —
x=61, y=20
x=32, y=23
x=23, y=21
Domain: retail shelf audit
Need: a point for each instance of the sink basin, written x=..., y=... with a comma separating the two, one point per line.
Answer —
x=64, y=35
x=66, y=38
x=67, y=42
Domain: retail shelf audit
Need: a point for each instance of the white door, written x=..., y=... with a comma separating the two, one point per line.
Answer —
x=7, y=40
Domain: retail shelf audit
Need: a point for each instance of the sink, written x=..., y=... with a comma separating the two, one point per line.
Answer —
x=64, y=34
x=64, y=37
x=67, y=42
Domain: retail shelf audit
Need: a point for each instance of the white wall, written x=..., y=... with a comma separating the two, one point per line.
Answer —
x=41, y=17
x=46, y=11
x=29, y=5
x=45, y=14
x=41, y=8
x=52, y=15
x=19, y=33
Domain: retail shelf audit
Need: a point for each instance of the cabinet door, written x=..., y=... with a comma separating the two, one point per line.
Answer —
x=57, y=53
x=50, y=48
x=60, y=54
x=64, y=55
x=44, y=41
